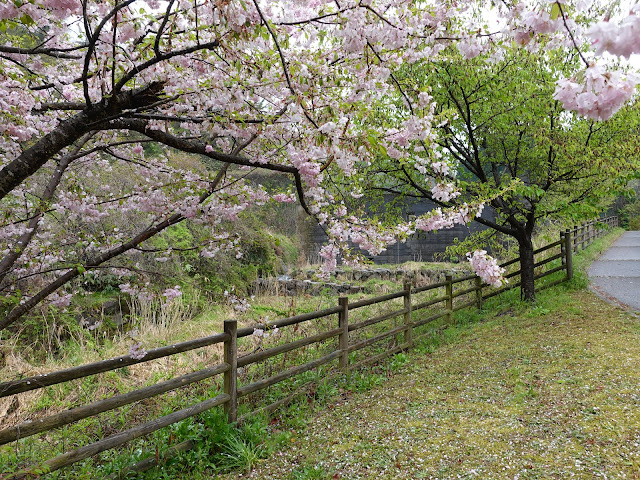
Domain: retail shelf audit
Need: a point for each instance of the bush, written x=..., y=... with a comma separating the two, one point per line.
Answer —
x=630, y=215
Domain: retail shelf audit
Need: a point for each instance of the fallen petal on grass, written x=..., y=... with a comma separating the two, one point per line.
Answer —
x=549, y=391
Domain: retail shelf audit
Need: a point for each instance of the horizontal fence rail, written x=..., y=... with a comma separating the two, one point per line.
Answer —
x=351, y=342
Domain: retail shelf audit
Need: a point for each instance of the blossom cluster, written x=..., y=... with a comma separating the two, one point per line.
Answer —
x=172, y=293
x=438, y=219
x=137, y=351
x=59, y=300
x=239, y=304
x=486, y=267
x=599, y=96
x=261, y=333
x=621, y=39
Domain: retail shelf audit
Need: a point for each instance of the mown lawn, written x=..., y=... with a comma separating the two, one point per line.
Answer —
x=544, y=392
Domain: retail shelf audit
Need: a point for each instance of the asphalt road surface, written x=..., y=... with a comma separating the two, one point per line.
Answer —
x=616, y=274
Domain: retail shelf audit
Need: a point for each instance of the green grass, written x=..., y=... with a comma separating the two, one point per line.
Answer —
x=548, y=391
x=507, y=335
x=542, y=391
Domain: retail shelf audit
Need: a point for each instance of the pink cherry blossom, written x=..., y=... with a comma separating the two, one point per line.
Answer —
x=172, y=293
x=486, y=267
x=599, y=96
x=60, y=301
x=137, y=351
x=263, y=87
x=621, y=39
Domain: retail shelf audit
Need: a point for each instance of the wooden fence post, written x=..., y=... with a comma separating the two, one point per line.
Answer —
x=574, y=236
x=343, y=338
x=568, y=251
x=579, y=237
x=479, y=298
x=408, y=333
x=231, y=375
x=449, y=295
x=588, y=234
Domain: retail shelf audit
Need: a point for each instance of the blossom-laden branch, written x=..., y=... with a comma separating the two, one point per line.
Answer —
x=32, y=227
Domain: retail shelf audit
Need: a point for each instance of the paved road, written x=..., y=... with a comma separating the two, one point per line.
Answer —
x=616, y=274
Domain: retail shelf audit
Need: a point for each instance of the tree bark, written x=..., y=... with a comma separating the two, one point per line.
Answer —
x=527, y=273
x=33, y=158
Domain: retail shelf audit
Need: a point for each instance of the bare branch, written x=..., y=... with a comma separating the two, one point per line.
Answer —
x=93, y=39
x=39, y=50
x=165, y=19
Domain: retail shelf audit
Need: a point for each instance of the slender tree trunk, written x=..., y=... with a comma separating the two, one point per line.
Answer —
x=527, y=287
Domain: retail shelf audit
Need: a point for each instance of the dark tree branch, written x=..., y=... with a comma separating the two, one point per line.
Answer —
x=165, y=56
x=70, y=130
x=32, y=228
x=92, y=40
x=165, y=20
x=40, y=50
x=200, y=148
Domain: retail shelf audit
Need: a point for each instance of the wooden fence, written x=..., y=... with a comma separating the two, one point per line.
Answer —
x=584, y=234
x=419, y=307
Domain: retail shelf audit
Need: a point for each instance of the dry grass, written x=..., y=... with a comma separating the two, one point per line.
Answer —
x=545, y=392
x=157, y=324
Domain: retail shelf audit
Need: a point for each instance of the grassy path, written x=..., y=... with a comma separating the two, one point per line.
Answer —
x=549, y=392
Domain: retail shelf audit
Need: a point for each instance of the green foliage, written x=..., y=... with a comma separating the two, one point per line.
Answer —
x=262, y=253
x=308, y=472
x=101, y=281
x=538, y=311
x=218, y=446
x=630, y=215
x=152, y=149
x=516, y=150
x=488, y=240
x=364, y=380
x=398, y=361
x=50, y=334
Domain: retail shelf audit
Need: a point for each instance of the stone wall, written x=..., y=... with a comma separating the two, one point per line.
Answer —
x=304, y=282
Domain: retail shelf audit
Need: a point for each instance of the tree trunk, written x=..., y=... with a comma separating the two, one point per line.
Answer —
x=527, y=285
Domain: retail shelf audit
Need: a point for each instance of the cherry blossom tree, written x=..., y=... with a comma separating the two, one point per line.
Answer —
x=286, y=87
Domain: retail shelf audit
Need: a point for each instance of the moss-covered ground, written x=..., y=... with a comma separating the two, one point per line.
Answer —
x=549, y=391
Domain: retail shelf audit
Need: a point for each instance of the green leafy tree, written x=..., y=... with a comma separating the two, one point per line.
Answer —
x=513, y=148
